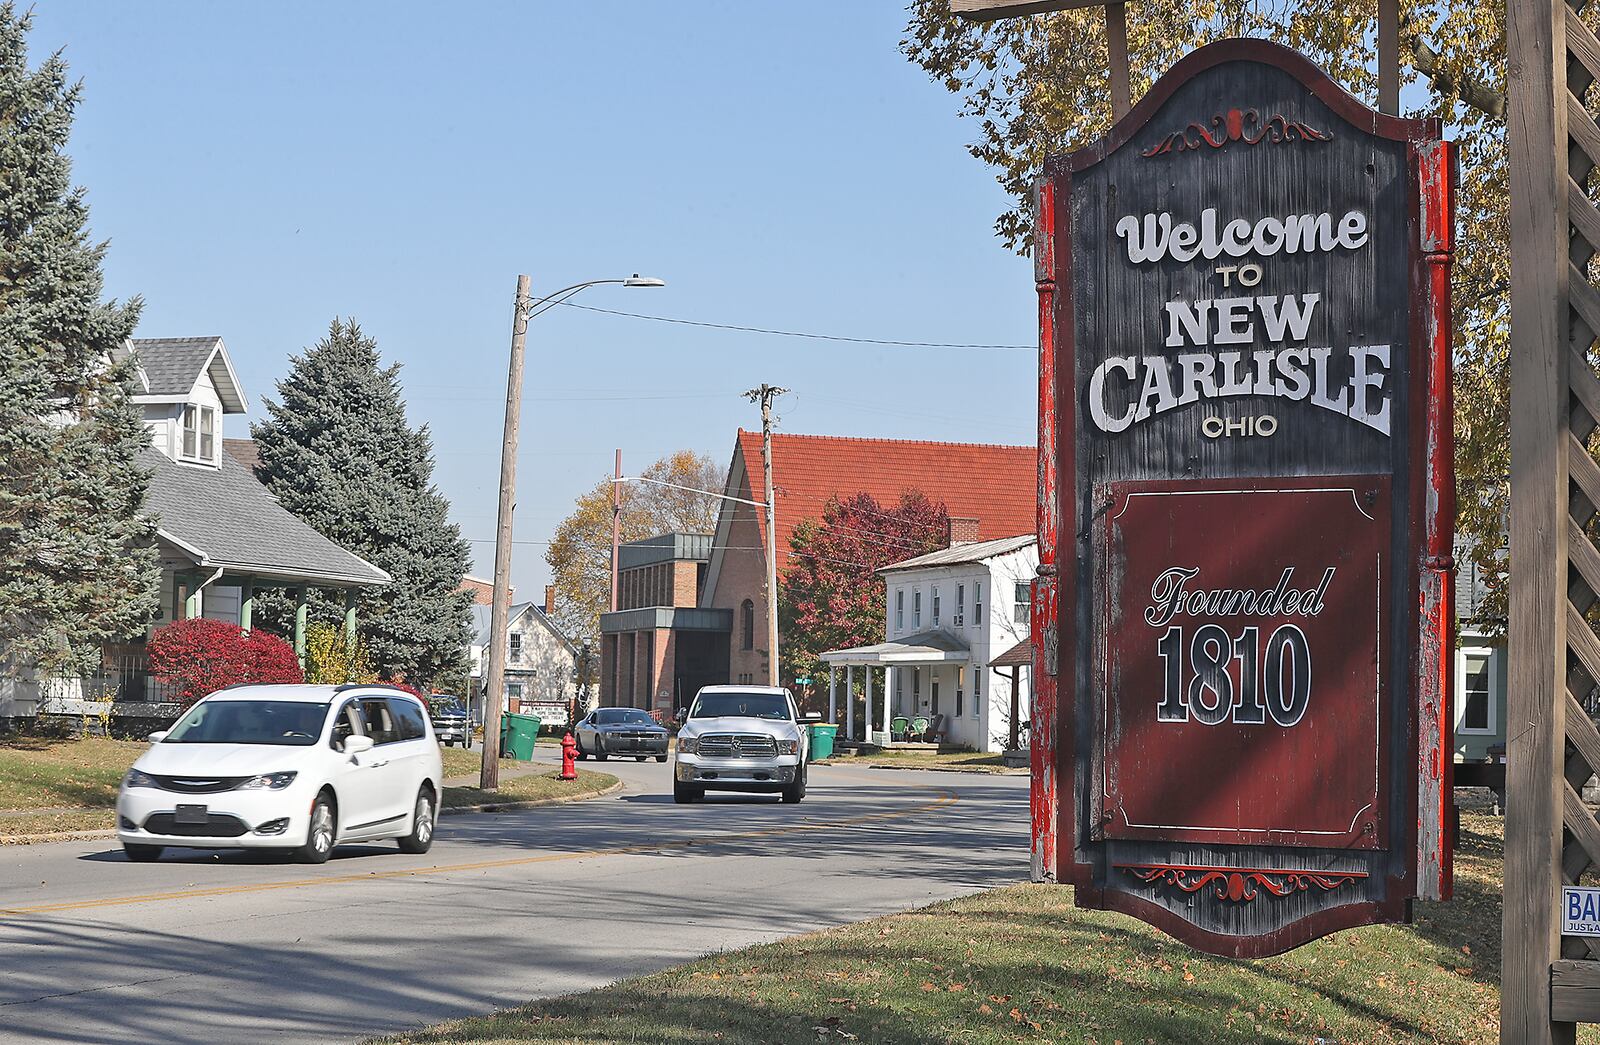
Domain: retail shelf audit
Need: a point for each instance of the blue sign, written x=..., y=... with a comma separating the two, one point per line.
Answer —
x=1580, y=911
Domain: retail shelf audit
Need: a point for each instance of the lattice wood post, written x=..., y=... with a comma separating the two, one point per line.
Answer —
x=1552, y=744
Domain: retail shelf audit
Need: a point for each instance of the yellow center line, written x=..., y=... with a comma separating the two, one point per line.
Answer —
x=946, y=798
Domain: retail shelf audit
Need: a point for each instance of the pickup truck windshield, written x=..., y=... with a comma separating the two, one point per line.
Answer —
x=741, y=705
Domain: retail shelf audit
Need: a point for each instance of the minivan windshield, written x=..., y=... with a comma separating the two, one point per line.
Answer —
x=741, y=705
x=293, y=723
x=631, y=716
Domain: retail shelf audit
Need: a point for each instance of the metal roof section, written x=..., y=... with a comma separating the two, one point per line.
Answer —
x=665, y=547
x=223, y=518
x=956, y=554
x=925, y=647
x=676, y=618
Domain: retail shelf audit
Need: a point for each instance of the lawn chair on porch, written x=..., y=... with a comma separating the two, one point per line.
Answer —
x=899, y=726
x=939, y=731
x=919, y=729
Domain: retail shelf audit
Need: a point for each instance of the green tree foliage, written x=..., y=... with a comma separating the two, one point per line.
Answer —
x=580, y=554
x=1037, y=85
x=831, y=597
x=78, y=564
x=337, y=451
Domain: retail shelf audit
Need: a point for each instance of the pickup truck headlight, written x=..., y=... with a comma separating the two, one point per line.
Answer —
x=788, y=747
x=688, y=745
x=269, y=781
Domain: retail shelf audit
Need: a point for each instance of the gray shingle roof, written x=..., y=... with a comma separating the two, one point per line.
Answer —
x=482, y=619
x=232, y=520
x=173, y=364
x=976, y=551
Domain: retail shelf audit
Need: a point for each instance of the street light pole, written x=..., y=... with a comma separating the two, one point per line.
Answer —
x=489, y=771
x=526, y=309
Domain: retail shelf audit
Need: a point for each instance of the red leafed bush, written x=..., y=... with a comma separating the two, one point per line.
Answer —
x=400, y=684
x=201, y=656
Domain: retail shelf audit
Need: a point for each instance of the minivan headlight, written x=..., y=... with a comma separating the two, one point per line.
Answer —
x=688, y=745
x=270, y=781
x=135, y=778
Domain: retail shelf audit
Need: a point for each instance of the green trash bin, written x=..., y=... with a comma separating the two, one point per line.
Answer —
x=518, y=734
x=822, y=734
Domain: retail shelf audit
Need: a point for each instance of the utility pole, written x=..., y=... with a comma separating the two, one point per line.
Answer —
x=765, y=395
x=616, y=526
x=489, y=774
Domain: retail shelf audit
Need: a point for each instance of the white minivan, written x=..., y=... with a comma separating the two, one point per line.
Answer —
x=295, y=768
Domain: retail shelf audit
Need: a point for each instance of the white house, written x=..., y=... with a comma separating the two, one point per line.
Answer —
x=951, y=615
x=541, y=662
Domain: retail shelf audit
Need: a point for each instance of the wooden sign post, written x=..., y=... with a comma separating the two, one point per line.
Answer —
x=1247, y=503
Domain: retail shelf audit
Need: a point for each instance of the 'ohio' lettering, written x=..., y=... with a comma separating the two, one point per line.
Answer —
x=1126, y=390
x=1152, y=237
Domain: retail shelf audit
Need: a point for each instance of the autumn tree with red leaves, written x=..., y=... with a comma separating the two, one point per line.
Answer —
x=831, y=597
x=201, y=656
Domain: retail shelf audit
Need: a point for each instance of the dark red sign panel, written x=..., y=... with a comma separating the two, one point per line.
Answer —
x=1242, y=622
x=1243, y=691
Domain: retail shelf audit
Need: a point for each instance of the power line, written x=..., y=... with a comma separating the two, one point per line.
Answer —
x=796, y=333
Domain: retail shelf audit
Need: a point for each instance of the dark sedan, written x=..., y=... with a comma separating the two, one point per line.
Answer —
x=621, y=731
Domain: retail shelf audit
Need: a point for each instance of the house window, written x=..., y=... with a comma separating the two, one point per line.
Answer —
x=933, y=693
x=199, y=433
x=935, y=607
x=961, y=605
x=516, y=645
x=960, y=678
x=1022, y=611
x=977, y=688
x=977, y=603
x=899, y=609
x=916, y=608
x=747, y=625
x=916, y=684
x=1476, y=708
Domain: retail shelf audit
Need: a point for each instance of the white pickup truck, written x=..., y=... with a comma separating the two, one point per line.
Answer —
x=740, y=738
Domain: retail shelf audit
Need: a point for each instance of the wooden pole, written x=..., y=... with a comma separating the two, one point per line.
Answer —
x=616, y=527
x=1537, y=633
x=1389, y=57
x=1117, y=58
x=500, y=613
x=765, y=395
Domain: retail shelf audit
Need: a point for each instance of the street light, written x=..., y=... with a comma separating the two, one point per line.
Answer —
x=526, y=309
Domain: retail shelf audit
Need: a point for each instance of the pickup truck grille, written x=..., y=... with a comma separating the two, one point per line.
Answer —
x=738, y=745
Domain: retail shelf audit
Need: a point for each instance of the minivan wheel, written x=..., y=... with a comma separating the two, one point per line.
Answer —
x=420, y=840
x=141, y=854
x=320, y=834
x=683, y=793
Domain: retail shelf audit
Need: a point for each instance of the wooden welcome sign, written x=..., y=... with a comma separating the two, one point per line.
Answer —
x=1241, y=730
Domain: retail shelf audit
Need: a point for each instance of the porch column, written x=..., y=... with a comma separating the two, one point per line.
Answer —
x=850, y=701
x=349, y=618
x=887, y=689
x=247, y=603
x=866, y=707
x=300, y=625
x=191, y=602
x=1016, y=705
x=833, y=696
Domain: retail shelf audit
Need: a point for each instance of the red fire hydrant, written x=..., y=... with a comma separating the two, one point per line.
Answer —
x=569, y=758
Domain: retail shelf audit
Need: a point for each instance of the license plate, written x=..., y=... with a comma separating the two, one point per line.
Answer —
x=190, y=814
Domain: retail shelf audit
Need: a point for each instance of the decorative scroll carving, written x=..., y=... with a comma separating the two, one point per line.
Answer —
x=1240, y=884
x=1237, y=125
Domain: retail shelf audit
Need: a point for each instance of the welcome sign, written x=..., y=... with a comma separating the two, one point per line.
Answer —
x=1245, y=291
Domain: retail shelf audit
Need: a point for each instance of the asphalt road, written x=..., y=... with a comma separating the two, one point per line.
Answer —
x=207, y=948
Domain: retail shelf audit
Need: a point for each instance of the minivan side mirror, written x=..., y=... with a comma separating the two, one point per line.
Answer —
x=157, y=737
x=356, y=745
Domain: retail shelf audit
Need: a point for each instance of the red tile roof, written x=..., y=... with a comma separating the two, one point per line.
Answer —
x=996, y=485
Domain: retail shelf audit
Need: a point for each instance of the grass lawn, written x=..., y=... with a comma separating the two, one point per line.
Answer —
x=46, y=785
x=1022, y=964
x=970, y=760
x=530, y=788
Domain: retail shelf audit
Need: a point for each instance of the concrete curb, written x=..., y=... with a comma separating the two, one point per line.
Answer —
x=487, y=807
x=1004, y=771
x=512, y=807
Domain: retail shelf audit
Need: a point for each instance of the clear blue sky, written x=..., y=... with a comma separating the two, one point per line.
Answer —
x=261, y=168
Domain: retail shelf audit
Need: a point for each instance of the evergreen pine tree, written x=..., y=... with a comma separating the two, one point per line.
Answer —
x=336, y=450
x=78, y=565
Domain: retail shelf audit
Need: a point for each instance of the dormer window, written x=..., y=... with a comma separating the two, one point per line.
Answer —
x=199, y=433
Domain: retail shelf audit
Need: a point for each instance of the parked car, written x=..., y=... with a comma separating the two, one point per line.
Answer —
x=740, y=738
x=620, y=731
x=449, y=720
x=295, y=768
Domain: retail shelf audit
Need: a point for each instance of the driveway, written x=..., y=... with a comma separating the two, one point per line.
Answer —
x=204, y=948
